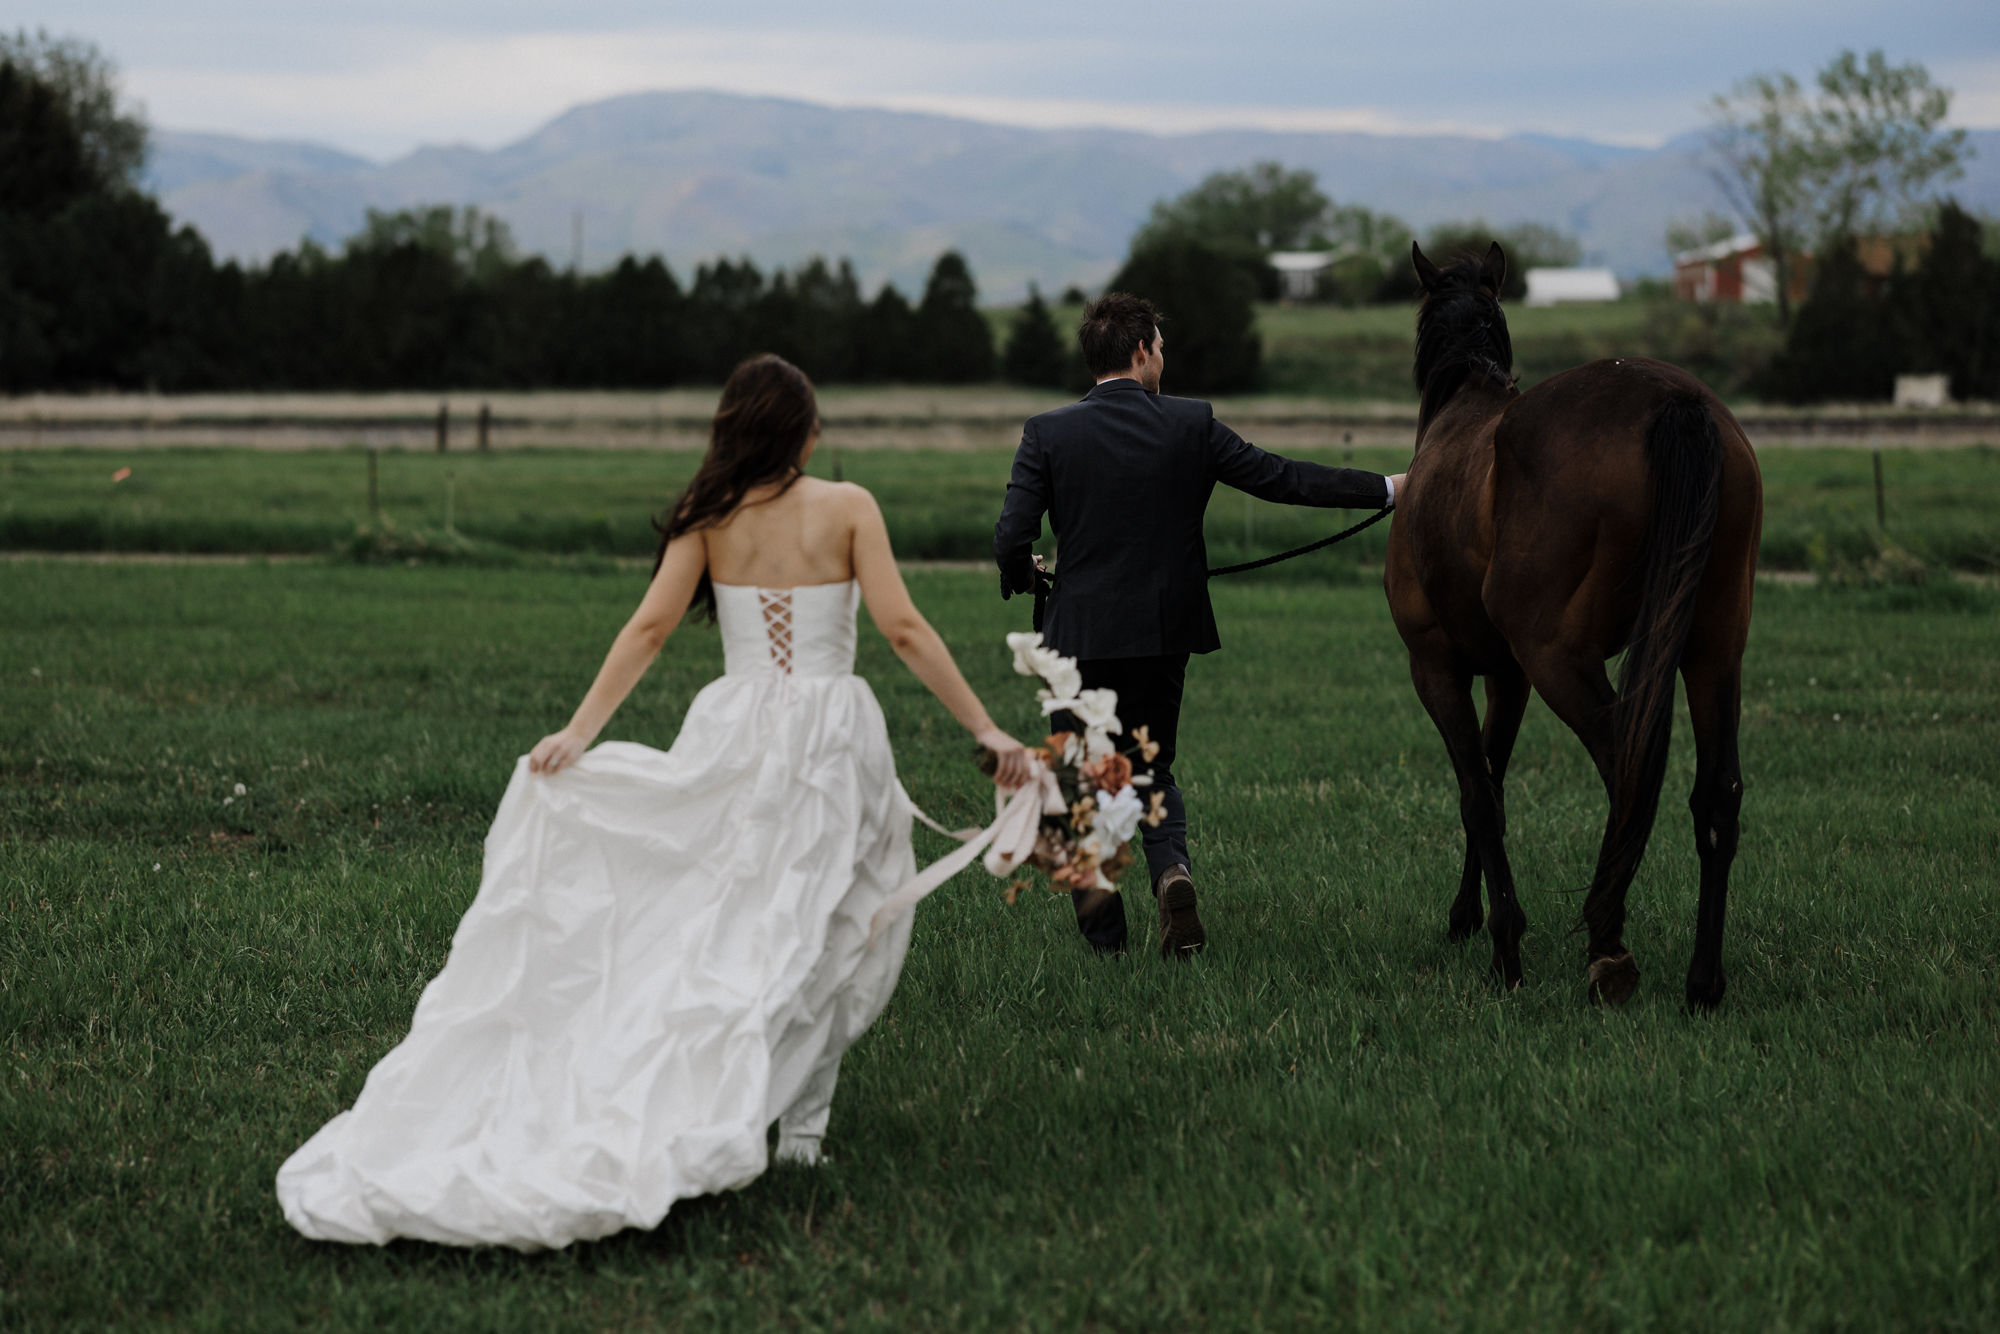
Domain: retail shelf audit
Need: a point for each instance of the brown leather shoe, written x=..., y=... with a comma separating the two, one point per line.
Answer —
x=1180, y=925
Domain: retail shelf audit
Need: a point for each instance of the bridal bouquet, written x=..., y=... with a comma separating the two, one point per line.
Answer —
x=1090, y=805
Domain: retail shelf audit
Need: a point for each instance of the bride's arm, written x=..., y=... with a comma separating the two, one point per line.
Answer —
x=665, y=603
x=918, y=645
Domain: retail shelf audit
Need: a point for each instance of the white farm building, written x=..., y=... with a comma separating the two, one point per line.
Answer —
x=1549, y=287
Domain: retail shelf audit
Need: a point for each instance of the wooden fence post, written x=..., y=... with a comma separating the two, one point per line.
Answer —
x=443, y=427
x=1881, y=502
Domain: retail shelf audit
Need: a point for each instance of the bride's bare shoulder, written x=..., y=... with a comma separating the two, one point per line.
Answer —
x=847, y=497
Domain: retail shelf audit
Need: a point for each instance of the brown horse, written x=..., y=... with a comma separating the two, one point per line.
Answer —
x=1614, y=506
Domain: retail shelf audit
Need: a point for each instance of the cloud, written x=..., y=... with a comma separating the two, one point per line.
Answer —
x=381, y=78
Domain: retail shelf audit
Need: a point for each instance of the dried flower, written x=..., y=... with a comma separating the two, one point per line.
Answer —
x=1149, y=749
x=1110, y=773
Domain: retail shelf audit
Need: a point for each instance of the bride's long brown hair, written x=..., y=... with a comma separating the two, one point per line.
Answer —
x=767, y=415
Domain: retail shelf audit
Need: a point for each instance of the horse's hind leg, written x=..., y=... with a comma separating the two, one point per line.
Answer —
x=1715, y=697
x=1445, y=687
x=1574, y=686
x=1506, y=702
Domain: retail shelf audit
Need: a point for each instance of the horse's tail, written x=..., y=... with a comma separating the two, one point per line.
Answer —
x=1684, y=462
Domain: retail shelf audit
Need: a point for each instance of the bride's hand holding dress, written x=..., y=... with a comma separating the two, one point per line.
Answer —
x=669, y=951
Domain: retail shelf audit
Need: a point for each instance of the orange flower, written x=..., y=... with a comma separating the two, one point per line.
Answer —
x=1058, y=742
x=1112, y=773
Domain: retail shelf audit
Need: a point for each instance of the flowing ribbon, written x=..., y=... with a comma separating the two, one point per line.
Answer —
x=1008, y=843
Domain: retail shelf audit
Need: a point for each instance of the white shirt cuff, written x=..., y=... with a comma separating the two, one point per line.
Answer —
x=1390, y=503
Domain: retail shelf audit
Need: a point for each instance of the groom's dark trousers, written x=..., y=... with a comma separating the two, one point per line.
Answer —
x=1124, y=476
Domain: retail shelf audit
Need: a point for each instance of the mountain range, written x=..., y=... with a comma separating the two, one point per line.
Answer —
x=695, y=175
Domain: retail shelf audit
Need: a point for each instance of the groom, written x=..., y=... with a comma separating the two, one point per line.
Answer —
x=1124, y=476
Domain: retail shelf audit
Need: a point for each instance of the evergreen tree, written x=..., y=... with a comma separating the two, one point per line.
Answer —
x=1842, y=343
x=1035, y=352
x=1212, y=342
x=887, y=349
x=954, y=342
x=1949, y=309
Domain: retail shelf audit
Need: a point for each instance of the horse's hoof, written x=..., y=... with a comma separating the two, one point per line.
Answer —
x=1457, y=932
x=1705, y=993
x=1613, y=979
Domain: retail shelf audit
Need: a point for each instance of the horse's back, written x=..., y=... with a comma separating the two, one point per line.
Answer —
x=1573, y=494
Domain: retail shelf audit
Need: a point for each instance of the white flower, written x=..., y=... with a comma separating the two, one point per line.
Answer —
x=242, y=791
x=1120, y=815
x=156, y=866
x=1097, y=708
x=1024, y=646
x=229, y=801
x=1117, y=818
x=1062, y=675
x=1096, y=744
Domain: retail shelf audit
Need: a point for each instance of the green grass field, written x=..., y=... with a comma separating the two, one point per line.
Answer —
x=1332, y=1120
x=1365, y=352
x=1819, y=504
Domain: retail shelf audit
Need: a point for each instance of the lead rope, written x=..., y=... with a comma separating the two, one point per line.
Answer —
x=1045, y=582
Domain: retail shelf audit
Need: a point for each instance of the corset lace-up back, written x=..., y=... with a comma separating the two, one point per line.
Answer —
x=804, y=631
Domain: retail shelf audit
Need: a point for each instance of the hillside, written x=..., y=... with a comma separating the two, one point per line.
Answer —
x=692, y=175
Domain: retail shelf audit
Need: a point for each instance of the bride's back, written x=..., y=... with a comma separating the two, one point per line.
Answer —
x=792, y=538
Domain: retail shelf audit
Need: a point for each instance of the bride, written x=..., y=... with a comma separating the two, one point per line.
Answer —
x=668, y=952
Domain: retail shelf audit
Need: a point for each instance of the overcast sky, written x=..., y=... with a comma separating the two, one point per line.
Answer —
x=379, y=78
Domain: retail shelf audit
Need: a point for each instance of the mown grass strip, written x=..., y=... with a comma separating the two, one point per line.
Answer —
x=1331, y=1120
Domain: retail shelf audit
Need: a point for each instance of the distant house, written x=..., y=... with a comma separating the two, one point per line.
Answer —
x=1299, y=271
x=1548, y=287
x=1736, y=270
x=1733, y=271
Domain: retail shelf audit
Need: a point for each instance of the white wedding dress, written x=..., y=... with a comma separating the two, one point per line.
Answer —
x=668, y=952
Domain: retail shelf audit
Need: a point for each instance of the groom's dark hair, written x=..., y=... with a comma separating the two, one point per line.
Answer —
x=1113, y=326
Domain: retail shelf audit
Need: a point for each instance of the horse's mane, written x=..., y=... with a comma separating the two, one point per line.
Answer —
x=1460, y=334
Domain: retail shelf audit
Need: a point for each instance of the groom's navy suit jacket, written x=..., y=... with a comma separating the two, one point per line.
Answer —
x=1124, y=476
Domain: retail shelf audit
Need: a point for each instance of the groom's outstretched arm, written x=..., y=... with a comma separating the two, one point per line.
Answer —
x=1236, y=462
x=1020, y=523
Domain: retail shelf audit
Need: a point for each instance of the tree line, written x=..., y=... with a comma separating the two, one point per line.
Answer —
x=98, y=288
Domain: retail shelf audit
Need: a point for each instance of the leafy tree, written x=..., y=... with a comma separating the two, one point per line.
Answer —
x=477, y=244
x=1074, y=296
x=1528, y=245
x=1245, y=215
x=1877, y=127
x=1212, y=343
x=1694, y=233
x=1036, y=353
x=1807, y=169
x=1260, y=209
x=954, y=342
x=47, y=164
x=1374, y=248
x=112, y=141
